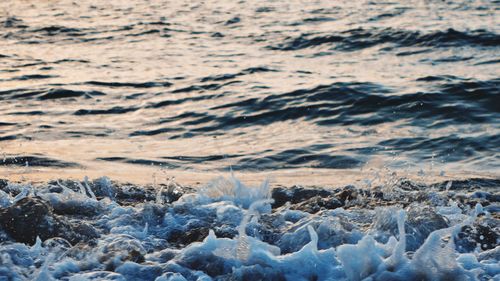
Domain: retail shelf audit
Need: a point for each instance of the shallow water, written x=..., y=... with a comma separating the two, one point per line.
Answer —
x=278, y=87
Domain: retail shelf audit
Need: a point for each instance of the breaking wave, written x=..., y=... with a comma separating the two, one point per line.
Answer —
x=102, y=230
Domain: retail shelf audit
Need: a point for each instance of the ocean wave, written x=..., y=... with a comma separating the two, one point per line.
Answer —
x=35, y=161
x=251, y=70
x=47, y=94
x=31, y=77
x=458, y=101
x=361, y=38
x=296, y=158
x=130, y=84
x=450, y=148
x=36, y=34
x=113, y=110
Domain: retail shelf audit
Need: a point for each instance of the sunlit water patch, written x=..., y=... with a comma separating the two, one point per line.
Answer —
x=254, y=87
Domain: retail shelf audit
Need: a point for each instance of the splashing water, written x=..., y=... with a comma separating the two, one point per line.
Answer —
x=230, y=230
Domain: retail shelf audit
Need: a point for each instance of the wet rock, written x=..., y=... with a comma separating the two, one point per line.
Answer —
x=317, y=203
x=76, y=207
x=378, y=194
x=83, y=232
x=408, y=185
x=130, y=194
x=348, y=193
x=468, y=184
x=31, y=217
x=133, y=194
x=3, y=183
x=295, y=195
x=472, y=236
x=55, y=189
x=280, y=196
x=183, y=238
x=225, y=231
x=27, y=219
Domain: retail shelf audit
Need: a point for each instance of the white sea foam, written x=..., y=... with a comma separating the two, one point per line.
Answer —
x=246, y=239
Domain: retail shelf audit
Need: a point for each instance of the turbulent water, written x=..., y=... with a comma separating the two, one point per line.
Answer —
x=100, y=230
x=388, y=112
x=258, y=86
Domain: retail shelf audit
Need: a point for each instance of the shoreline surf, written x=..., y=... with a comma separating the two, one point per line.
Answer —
x=99, y=229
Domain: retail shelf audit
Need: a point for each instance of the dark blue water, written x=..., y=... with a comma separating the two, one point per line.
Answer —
x=256, y=86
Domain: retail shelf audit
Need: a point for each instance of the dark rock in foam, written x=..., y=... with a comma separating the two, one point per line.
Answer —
x=31, y=217
x=317, y=203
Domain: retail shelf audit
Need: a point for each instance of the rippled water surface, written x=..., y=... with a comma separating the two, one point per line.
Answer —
x=297, y=87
